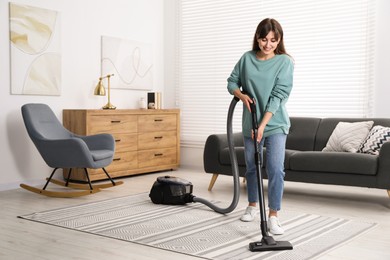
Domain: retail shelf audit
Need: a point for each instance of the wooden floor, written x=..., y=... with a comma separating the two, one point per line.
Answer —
x=22, y=239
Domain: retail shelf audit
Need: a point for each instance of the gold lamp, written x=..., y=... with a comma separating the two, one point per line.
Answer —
x=101, y=91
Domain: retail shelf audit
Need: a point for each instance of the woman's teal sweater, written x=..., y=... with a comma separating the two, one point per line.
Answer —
x=270, y=83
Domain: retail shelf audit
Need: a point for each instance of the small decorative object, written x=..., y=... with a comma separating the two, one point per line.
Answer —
x=151, y=105
x=142, y=103
x=155, y=98
x=101, y=91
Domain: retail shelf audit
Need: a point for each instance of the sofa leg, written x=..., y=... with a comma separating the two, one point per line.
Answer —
x=212, y=181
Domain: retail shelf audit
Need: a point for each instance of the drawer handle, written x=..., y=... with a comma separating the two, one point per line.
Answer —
x=158, y=120
x=116, y=159
x=115, y=121
x=158, y=137
x=158, y=154
x=117, y=140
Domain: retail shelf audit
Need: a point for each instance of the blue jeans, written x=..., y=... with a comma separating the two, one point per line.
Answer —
x=276, y=145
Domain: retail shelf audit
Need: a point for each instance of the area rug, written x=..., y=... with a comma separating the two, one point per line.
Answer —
x=196, y=230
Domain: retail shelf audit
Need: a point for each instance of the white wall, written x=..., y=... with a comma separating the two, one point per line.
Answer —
x=382, y=77
x=83, y=22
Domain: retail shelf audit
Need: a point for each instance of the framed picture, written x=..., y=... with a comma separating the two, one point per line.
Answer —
x=35, y=46
x=131, y=62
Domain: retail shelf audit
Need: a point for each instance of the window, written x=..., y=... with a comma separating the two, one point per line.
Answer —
x=332, y=43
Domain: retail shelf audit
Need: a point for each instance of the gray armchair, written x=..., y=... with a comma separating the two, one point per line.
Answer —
x=61, y=148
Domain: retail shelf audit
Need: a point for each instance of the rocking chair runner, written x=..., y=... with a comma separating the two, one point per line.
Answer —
x=61, y=148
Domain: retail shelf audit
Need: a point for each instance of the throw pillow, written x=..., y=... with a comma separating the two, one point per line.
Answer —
x=375, y=139
x=347, y=137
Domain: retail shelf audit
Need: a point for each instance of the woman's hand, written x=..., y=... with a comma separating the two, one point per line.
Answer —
x=260, y=133
x=244, y=98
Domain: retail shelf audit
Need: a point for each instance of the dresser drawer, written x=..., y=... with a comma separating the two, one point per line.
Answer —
x=113, y=124
x=152, y=123
x=126, y=142
x=157, y=157
x=160, y=139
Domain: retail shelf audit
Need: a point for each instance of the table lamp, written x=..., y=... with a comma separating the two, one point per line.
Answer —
x=101, y=91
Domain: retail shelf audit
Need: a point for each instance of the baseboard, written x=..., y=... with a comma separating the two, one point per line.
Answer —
x=15, y=185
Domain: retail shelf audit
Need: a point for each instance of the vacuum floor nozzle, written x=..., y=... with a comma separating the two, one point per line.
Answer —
x=266, y=245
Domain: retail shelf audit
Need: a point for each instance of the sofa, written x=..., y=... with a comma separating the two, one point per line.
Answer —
x=304, y=159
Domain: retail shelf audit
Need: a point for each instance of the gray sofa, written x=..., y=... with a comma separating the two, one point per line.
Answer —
x=305, y=161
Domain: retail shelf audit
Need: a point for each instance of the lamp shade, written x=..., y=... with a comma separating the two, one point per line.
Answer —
x=100, y=90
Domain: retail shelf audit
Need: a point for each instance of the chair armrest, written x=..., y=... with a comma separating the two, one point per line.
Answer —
x=383, y=178
x=99, y=141
x=65, y=153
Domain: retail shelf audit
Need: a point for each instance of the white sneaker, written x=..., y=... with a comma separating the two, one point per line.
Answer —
x=274, y=226
x=250, y=214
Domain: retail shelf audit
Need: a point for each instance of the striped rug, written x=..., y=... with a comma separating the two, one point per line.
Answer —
x=196, y=230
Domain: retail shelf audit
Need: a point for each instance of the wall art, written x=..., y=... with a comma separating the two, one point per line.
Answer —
x=130, y=61
x=35, y=47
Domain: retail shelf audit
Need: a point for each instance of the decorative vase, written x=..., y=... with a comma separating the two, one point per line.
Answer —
x=142, y=103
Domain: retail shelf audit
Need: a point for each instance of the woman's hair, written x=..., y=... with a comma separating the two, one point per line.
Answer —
x=266, y=26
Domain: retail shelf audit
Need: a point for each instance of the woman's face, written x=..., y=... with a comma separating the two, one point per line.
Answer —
x=268, y=44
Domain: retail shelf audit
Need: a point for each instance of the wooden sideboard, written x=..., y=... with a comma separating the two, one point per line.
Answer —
x=145, y=140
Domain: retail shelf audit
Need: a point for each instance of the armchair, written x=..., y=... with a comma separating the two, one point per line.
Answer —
x=61, y=148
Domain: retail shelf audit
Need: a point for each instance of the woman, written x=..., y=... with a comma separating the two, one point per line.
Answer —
x=266, y=74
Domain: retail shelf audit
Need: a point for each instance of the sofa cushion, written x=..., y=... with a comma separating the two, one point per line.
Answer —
x=224, y=156
x=302, y=133
x=375, y=139
x=347, y=136
x=288, y=155
x=334, y=162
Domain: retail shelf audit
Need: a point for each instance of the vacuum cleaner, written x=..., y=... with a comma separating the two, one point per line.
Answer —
x=175, y=191
x=267, y=243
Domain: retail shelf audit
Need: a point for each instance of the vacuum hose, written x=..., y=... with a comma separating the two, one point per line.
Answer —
x=233, y=159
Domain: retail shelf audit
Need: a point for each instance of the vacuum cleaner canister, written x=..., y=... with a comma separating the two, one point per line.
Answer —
x=171, y=190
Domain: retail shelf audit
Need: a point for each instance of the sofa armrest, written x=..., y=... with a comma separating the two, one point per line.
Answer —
x=214, y=145
x=383, y=178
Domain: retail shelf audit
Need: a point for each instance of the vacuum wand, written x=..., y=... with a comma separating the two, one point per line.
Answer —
x=258, y=161
x=267, y=242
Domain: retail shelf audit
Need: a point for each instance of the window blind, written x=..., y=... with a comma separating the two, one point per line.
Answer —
x=332, y=43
